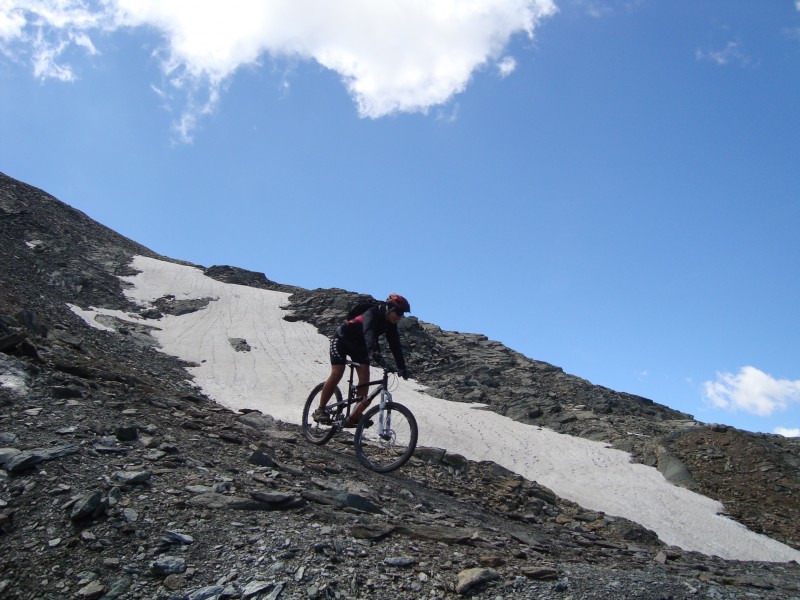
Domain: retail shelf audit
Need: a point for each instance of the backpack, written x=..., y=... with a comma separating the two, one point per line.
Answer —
x=360, y=308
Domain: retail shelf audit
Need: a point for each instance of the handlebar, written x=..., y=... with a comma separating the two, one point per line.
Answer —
x=383, y=365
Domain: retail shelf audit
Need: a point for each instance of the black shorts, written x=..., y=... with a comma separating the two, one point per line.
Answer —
x=342, y=348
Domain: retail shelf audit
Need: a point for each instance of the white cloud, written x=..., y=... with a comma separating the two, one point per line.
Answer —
x=600, y=9
x=506, y=66
x=84, y=41
x=731, y=53
x=448, y=114
x=752, y=391
x=11, y=23
x=392, y=56
x=786, y=432
x=45, y=62
x=44, y=30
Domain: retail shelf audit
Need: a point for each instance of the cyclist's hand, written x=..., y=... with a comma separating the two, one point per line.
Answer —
x=403, y=373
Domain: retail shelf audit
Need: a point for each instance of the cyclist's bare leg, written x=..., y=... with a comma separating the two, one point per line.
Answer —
x=363, y=379
x=330, y=384
x=363, y=387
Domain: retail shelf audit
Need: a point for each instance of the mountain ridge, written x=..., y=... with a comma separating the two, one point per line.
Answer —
x=53, y=255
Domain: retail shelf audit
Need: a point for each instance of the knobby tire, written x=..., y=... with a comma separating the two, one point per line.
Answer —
x=318, y=433
x=387, y=453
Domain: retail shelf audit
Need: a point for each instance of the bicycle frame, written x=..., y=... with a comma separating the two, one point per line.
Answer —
x=382, y=389
x=352, y=388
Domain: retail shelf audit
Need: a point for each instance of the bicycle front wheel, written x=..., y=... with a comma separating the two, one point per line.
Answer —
x=320, y=433
x=389, y=441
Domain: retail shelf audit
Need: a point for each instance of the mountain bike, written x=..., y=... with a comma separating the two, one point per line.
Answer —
x=386, y=435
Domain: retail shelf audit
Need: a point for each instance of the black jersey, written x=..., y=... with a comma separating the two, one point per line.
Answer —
x=367, y=327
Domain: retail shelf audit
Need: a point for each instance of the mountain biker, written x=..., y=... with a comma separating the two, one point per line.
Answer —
x=358, y=339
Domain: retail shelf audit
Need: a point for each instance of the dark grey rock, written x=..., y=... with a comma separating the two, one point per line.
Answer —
x=87, y=507
x=127, y=433
x=168, y=565
x=6, y=437
x=239, y=344
x=133, y=477
x=28, y=459
x=181, y=538
x=401, y=561
x=207, y=593
x=674, y=470
x=257, y=420
x=261, y=459
x=6, y=454
x=469, y=579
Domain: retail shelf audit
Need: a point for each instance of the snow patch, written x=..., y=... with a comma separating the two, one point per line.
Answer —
x=288, y=358
x=90, y=316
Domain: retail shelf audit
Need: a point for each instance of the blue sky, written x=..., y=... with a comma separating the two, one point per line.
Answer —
x=608, y=186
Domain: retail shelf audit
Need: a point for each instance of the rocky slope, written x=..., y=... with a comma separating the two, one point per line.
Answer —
x=118, y=479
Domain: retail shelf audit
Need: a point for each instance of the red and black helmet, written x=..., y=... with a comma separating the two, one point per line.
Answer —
x=398, y=303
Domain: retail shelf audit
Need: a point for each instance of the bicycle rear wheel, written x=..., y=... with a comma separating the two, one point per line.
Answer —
x=386, y=446
x=320, y=433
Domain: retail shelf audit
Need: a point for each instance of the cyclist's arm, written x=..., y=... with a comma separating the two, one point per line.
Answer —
x=369, y=327
x=393, y=337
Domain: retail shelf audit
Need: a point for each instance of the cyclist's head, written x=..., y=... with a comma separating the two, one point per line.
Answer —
x=398, y=304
